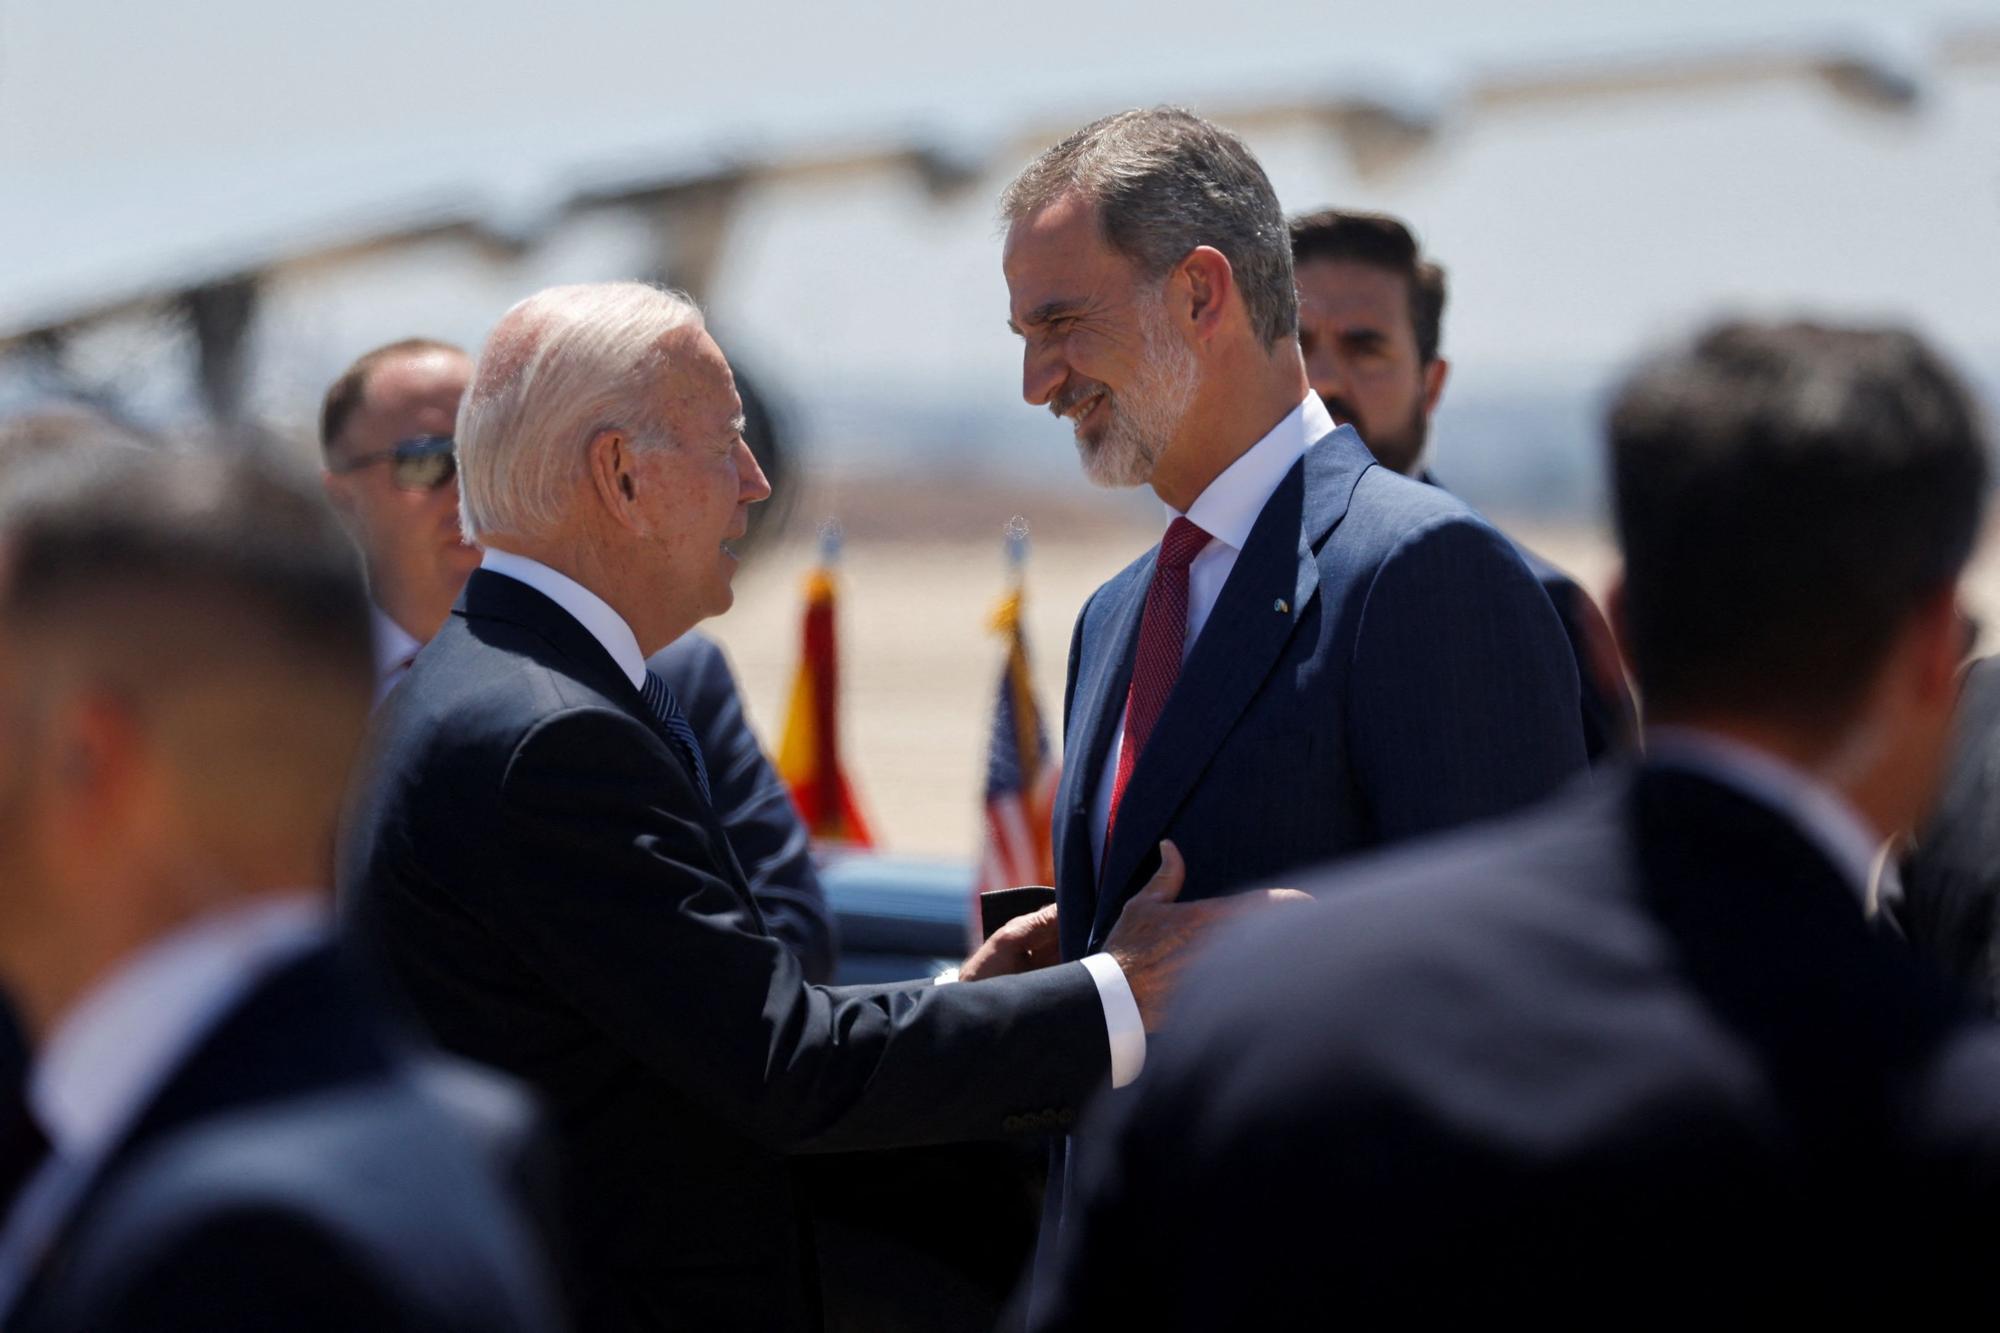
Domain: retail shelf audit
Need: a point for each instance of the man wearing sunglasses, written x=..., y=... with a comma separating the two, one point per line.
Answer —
x=385, y=439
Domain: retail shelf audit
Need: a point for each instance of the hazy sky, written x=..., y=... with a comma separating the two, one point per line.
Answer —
x=137, y=137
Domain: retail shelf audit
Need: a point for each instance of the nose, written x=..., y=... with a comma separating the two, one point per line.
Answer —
x=752, y=487
x=1042, y=374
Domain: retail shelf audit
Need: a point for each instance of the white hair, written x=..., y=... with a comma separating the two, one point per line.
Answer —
x=561, y=366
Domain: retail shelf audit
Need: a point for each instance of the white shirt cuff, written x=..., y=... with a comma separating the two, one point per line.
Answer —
x=1122, y=1024
x=946, y=977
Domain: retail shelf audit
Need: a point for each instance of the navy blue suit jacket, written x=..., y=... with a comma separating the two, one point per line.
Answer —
x=1610, y=717
x=764, y=828
x=529, y=855
x=1380, y=664
x=1630, y=1059
x=301, y=1170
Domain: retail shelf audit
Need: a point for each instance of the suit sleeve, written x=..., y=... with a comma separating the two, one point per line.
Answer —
x=1464, y=697
x=765, y=831
x=604, y=883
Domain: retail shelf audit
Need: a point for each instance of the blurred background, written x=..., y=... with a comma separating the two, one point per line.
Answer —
x=207, y=211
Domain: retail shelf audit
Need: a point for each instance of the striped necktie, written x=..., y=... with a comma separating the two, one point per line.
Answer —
x=661, y=700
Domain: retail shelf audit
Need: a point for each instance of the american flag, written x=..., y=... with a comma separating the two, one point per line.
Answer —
x=1020, y=773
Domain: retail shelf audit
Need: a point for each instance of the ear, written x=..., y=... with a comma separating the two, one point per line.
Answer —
x=1936, y=634
x=338, y=494
x=99, y=751
x=609, y=459
x=1434, y=377
x=1614, y=612
x=1209, y=281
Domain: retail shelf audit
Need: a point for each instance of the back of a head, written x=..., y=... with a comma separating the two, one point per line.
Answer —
x=1164, y=181
x=1786, y=495
x=219, y=599
x=58, y=440
x=1379, y=241
x=561, y=366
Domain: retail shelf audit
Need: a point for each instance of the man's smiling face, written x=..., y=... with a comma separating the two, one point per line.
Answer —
x=1099, y=349
x=700, y=487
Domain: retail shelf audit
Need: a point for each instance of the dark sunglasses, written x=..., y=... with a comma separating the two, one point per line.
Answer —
x=421, y=464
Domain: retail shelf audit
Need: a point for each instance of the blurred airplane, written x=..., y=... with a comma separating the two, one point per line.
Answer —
x=190, y=245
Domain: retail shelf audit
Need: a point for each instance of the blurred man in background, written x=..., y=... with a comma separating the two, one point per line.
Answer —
x=385, y=433
x=217, y=1131
x=386, y=441
x=1639, y=1056
x=1371, y=315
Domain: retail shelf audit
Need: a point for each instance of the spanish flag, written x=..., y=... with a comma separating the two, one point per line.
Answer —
x=809, y=751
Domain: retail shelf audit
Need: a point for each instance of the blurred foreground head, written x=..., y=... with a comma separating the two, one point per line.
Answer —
x=1796, y=503
x=603, y=435
x=185, y=670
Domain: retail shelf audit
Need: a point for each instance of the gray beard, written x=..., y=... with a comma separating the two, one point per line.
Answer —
x=1146, y=416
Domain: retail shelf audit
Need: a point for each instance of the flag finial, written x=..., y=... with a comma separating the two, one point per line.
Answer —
x=1017, y=546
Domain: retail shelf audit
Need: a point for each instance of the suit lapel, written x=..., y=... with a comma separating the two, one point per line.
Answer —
x=1260, y=607
x=1104, y=675
x=497, y=597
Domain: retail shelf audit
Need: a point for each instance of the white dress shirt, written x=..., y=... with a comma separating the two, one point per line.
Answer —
x=1123, y=1026
x=113, y=1052
x=1819, y=812
x=1227, y=510
x=394, y=647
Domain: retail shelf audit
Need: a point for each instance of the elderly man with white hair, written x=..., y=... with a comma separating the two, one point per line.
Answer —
x=533, y=855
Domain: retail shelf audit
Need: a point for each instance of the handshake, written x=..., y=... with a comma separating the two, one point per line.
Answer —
x=1156, y=936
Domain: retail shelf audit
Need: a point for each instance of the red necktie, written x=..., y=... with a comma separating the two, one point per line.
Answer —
x=1162, y=637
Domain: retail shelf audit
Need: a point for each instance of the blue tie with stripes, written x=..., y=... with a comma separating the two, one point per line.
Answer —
x=661, y=700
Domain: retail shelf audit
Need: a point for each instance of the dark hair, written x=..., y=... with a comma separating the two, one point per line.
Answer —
x=1785, y=495
x=345, y=395
x=1383, y=242
x=1163, y=182
x=185, y=537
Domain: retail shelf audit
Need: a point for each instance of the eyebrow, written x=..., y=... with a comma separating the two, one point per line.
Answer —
x=738, y=423
x=1045, y=312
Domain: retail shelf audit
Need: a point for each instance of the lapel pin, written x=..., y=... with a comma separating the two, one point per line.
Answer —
x=1281, y=606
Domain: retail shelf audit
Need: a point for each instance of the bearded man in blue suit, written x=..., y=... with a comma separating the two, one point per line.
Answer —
x=1362, y=658
x=1321, y=656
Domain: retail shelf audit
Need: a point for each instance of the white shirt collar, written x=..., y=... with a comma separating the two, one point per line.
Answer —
x=588, y=609
x=1229, y=507
x=1822, y=814
x=394, y=646
x=111, y=1053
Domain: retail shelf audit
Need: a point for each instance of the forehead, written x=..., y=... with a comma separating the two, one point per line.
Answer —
x=696, y=383
x=1058, y=255
x=409, y=395
x=419, y=378
x=1346, y=291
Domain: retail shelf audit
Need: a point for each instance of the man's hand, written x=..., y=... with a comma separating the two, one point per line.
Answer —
x=1156, y=936
x=1022, y=945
